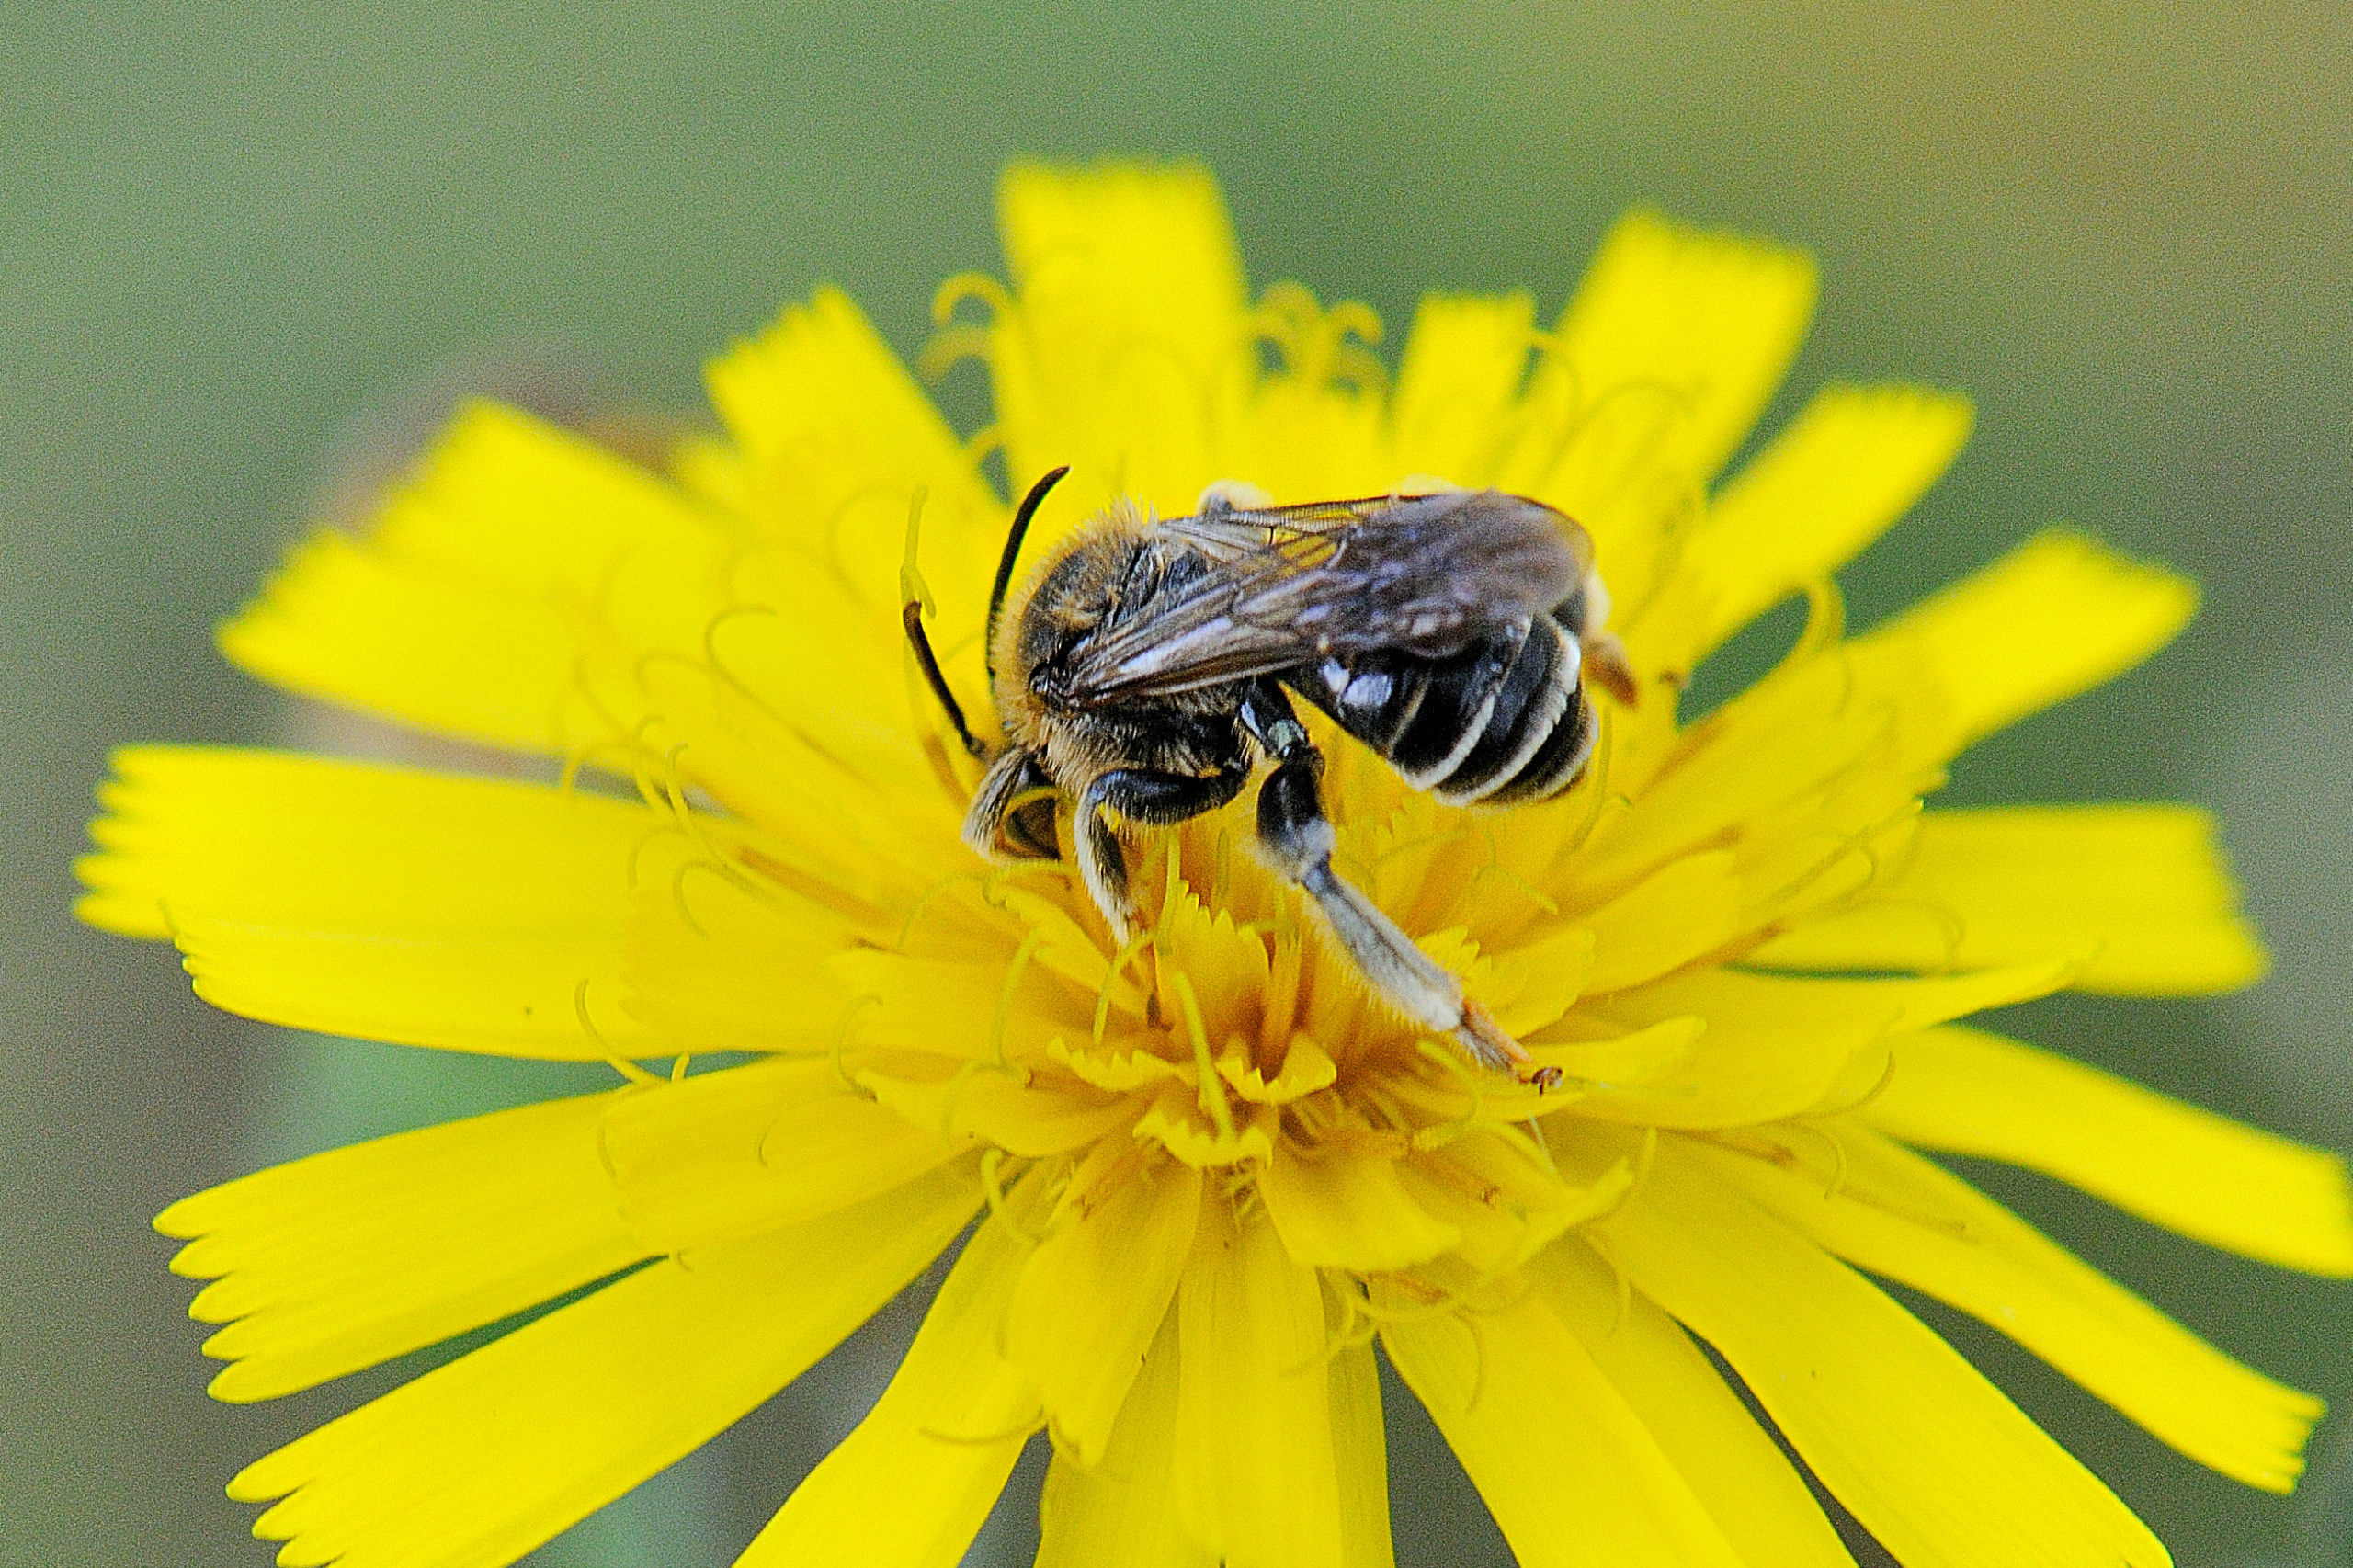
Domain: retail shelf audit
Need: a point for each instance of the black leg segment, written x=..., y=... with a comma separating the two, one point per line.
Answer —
x=1154, y=799
x=1158, y=800
x=1298, y=839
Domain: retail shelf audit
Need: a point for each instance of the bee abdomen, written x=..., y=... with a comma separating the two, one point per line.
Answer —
x=1503, y=721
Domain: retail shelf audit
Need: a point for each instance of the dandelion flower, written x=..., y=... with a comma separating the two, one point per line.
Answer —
x=1198, y=1177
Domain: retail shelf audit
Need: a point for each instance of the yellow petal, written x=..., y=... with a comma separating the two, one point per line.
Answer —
x=1740, y=1474
x=509, y=520
x=1025, y=1114
x=1129, y=354
x=1457, y=382
x=513, y=997
x=1849, y=464
x=1774, y=1047
x=1123, y=1512
x=1565, y=1465
x=1767, y=774
x=1360, y=1454
x=802, y=665
x=1306, y=1068
x=1687, y=908
x=1093, y=1293
x=2142, y=890
x=1116, y=1070
x=1662, y=360
x=300, y=840
x=354, y=1257
x=1345, y=1208
x=838, y=437
x=1933, y=1461
x=1226, y=966
x=731, y=1154
x=1707, y=324
x=530, y=590
x=2057, y=615
x=716, y=962
x=1895, y=1214
x=342, y=621
x=911, y=1484
x=355, y=898
x=1315, y=427
x=973, y=1011
x=1532, y=982
x=1179, y=1120
x=1507, y=1198
x=1253, y=1463
x=480, y=1460
x=2248, y=1191
x=1646, y=1055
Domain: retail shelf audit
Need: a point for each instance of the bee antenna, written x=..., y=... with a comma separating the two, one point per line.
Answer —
x=912, y=593
x=1021, y=515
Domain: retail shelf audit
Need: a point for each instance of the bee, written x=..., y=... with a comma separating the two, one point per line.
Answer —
x=1147, y=666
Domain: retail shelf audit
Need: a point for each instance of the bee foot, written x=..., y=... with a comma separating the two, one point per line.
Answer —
x=1606, y=661
x=1487, y=1042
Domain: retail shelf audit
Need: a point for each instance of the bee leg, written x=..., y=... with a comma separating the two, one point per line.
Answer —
x=1298, y=838
x=993, y=823
x=1103, y=864
x=1607, y=664
x=1152, y=798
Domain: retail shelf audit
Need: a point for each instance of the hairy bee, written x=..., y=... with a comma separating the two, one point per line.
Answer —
x=1144, y=669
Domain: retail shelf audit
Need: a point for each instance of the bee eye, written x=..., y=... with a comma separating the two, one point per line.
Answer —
x=1335, y=675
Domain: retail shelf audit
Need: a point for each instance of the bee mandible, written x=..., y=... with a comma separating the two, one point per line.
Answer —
x=1146, y=666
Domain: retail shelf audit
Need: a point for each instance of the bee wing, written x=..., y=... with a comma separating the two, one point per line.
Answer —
x=1425, y=575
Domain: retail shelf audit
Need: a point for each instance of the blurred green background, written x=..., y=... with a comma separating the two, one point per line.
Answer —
x=244, y=248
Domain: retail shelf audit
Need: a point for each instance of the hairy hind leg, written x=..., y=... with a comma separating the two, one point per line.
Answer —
x=1298, y=838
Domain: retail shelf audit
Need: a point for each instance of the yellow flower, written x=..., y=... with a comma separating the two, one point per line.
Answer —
x=1201, y=1177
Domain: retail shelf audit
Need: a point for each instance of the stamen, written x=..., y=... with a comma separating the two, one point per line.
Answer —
x=678, y=894
x=964, y=1075
x=993, y=1189
x=635, y=866
x=923, y=902
x=1625, y=1282
x=1211, y=1088
x=728, y=677
x=951, y=347
x=976, y=286
x=983, y=444
x=1597, y=774
x=913, y=589
x=1278, y=1010
x=613, y=1058
x=1868, y=1097
x=1529, y=1139
x=1021, y=956
x=1120, y=962
x=1438, y=1134
x=1518, y=884
x=841, y=1038
x=638, y=753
